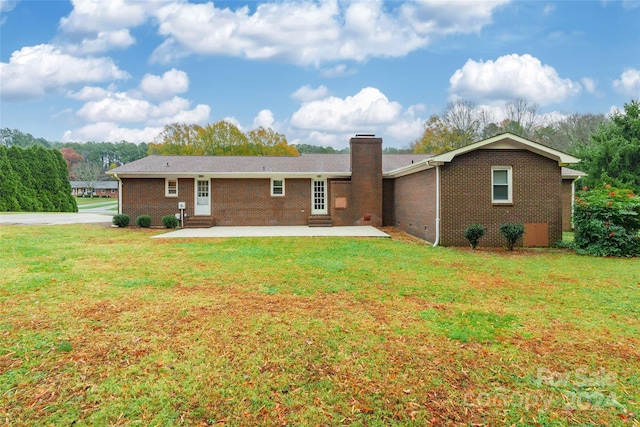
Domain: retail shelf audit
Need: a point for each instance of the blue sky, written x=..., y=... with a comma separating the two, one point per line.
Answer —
x=316, y=71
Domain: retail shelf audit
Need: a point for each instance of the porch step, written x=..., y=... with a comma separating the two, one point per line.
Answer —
x=199, y=222
x=320, y=221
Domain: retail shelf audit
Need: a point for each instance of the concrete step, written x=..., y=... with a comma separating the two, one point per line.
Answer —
x=199, y=222
x=320, y=221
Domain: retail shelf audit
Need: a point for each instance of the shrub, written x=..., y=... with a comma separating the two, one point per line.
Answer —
x=170, y=221
x=473, y=233
x=121, y=220
x=563, y=244
x=143, y=221
x=607, y=222
x=512, y=232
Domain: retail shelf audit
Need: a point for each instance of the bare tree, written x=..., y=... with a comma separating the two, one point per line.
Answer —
x=521, y=117
x=462, y=117
x=90, y=173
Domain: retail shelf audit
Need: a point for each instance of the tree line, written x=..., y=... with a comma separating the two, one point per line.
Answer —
x=34, y=179
x=608, y=146
x=222, y=138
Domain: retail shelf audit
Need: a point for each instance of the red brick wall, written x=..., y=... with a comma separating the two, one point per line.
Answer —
x=415, y=204
x=388, y=202
x=366, y=181
x=243, y=202
x=341, y=217
x=466, y=195
x=145, y=196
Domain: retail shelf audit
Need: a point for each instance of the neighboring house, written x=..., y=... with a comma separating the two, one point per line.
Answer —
x=100, y=189
x=501, y=179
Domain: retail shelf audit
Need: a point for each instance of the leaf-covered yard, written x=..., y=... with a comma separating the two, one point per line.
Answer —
x=103, y=326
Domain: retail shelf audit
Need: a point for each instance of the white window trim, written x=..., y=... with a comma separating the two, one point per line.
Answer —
x=509, y=185
x=273, y=194
x=166, y=187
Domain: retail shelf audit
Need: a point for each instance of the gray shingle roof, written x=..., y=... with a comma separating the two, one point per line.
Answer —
x=106, y=185
x=305, y=163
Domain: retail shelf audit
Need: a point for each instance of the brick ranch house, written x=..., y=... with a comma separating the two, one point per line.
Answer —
x=100, y=189
x=505, y=178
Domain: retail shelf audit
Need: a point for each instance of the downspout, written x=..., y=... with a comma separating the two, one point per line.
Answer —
x=437, y=241
x=115, y=175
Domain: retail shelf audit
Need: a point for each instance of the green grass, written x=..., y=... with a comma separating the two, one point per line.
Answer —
x=97, y=201
x=104, y=326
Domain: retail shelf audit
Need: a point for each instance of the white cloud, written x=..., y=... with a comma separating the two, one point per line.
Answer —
x=109, y=131
x=123, y=107
x=548, y=9
x=306, y=93
x=589, y=84
x=89, y=16
x=367, y=108
x=34, y=71
x=264, y=119
x=103, y=41
x=628, y=83
x=340, y=70
x=106, y=110
x=8, y=5
x=332, y=120
x=88, y=93
x=436, y=18
x=170, y=83
x=310, y=33
x=510, y=77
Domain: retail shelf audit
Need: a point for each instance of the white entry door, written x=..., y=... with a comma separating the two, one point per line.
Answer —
x=318, y=197
x=203, y=202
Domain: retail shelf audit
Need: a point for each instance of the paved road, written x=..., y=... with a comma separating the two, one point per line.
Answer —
x=53, y=218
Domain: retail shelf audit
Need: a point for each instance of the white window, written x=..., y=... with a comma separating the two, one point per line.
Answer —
x=277, y=187
x=501, y=184
x=171, y=187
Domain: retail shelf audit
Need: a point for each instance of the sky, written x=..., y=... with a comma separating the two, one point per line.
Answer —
x=318, y=72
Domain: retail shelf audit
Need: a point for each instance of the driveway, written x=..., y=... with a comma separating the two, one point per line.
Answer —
x=53, y=218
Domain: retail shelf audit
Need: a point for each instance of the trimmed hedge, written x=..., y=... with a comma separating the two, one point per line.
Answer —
x=512, y=231
x=170, y=221
x=473, y=233
x=143, y=221
x=121, y=220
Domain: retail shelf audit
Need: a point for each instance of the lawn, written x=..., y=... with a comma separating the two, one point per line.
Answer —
x=97, y=201
x=105, y=326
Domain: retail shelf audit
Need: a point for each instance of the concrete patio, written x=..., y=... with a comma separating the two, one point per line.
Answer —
x=275, y=231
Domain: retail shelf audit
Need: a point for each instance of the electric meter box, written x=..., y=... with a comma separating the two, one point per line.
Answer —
x=182, y=205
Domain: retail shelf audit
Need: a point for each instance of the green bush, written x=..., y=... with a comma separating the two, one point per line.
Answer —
x=121, y=220
x=607, y=222
x=143, y=221
x=170, y=221
x=473, y=233
x=512, y=231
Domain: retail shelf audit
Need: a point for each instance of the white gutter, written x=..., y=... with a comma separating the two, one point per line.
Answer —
x=115, y=175
x=437, y=207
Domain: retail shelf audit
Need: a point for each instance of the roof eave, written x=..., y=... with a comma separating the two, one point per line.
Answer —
x=237, y=175
x=563, y=159
x=408, y=170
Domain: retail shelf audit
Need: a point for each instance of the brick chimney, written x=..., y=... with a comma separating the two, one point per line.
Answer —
x=366, y=179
